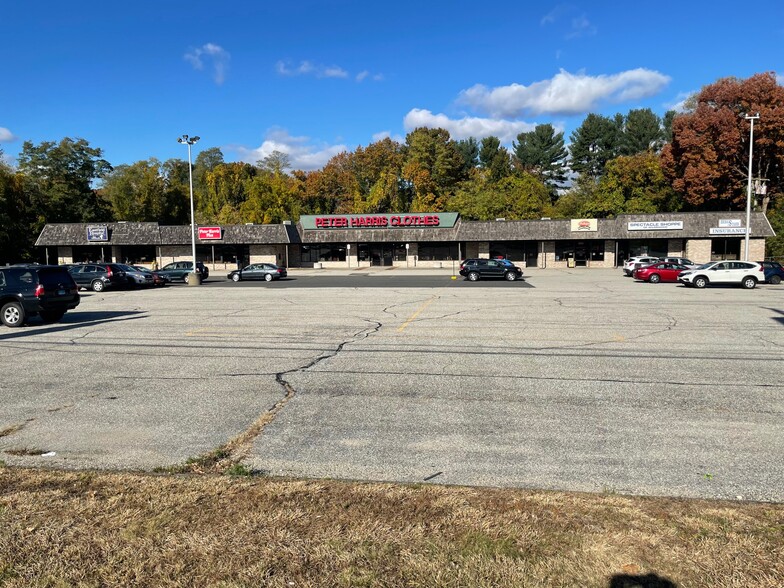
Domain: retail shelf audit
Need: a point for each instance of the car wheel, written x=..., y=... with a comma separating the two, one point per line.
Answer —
x=473, y=276
x=52, y=316
x=12, y=314
x=236, y=278
x=700, y=282
x=97, y=286
x=510, y=276
x=775, y=280
x=654, y=279
x=268, y=278
x=748, y=283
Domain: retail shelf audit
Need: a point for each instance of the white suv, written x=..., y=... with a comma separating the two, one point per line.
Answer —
x=742, y=273
x=633, y=263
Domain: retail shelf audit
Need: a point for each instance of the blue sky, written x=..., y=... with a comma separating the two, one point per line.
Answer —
x=315, y=78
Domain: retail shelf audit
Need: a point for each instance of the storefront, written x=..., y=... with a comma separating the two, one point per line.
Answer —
x=416, y=240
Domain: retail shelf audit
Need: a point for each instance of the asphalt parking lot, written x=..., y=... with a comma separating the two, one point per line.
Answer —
x=573, y=379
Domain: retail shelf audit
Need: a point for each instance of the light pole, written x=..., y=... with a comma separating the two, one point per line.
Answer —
x=748, y=190
x=193, y=277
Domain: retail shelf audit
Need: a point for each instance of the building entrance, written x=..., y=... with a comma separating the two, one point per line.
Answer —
x=381, y=254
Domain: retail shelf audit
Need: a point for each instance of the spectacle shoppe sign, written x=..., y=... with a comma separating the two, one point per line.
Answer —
x=441, y=220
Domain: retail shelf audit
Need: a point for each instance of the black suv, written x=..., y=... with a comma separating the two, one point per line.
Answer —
x=473, y=269
x=29, y=290
x=98, y=276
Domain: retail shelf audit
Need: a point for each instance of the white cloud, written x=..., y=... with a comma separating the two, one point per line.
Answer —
x=581, y=27
x=302, y=152
x=309, y=68
x=6, y=136
x=679, y=103
x=556, y=14
x=564, y=94
x=462, y=128
x=380, y=136
x=216, y=54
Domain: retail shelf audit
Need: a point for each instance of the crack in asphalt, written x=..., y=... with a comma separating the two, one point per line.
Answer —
x=238, y=448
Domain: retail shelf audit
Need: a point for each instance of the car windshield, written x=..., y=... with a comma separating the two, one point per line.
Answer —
x=707, y=265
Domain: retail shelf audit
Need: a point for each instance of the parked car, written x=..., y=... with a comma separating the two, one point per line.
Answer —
x=773, y=271
x=742, y=273
x=48, y=291
x=137, y=277
x=633, y=263
x=682, y=261
x=660, y=271
x=98, y=276
x=178, y=271
x=474, y=269
x=258, y=271
x=157, y=279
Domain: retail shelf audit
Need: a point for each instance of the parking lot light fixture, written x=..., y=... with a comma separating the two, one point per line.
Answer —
x=748, y=190
x=193, y=278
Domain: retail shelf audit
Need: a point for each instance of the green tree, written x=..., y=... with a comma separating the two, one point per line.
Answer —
x=494, y=159
x=138, y=192
x=469, y=152
x=64, y=174
x=272, y=198
x=276, y=162
x=513, y=198
x=17, y=217
x=642, y=131
x=225, y=192
x=377, y=169
x=432, y=170
x=594, y=143
x=541, y=152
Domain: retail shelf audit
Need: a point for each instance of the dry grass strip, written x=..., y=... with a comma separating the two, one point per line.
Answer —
x=119, y=529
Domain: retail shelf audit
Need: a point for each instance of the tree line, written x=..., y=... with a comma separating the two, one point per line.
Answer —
x=639, y=162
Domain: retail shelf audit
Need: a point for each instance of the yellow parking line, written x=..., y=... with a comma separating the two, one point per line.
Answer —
x=416, y=314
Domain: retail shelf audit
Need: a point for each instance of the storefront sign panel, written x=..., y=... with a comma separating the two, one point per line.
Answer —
x=97, y=233
x=728, y=231
x=210, y=233
x=441, y=220
x=585, y=225
x=729, y=222
x=655, y=226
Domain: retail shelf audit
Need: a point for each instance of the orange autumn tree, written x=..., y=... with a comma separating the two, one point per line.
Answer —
x=707, y=160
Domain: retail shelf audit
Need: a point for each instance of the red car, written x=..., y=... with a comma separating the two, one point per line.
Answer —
x=659, y=272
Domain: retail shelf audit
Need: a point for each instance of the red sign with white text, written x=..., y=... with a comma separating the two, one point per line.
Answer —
x=207, y=233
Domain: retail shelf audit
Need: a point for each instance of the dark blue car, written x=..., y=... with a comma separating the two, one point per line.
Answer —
x=773, y=271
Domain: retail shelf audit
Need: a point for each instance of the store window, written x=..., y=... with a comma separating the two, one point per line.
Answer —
x=725, y=249
x=440, y=251
x=526, y=251
x=313, y=253
x=580, y=251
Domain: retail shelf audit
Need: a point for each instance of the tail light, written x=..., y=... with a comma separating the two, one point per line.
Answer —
x=278, y=270
x=762, y=269
x=39, y=290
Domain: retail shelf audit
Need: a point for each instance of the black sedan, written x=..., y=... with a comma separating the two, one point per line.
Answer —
x=258, y=271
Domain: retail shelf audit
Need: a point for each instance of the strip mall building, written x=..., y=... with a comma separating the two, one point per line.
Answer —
x=415, y=240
